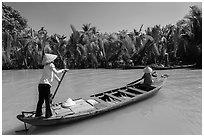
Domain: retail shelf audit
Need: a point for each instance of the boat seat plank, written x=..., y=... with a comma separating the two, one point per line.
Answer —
x=81, y=106
x=128, y=93
x=101, y=101
x=136, y=89
x=113, y=96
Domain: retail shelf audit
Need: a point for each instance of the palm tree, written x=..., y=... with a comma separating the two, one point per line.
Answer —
x=72, y=52
x=147, y=51
x=195, y=37
x=195, y=16
x=110, y=48
x=28, y=46
x=190, y=30
x=58, y=44
x=91, y=44
x=6, y=49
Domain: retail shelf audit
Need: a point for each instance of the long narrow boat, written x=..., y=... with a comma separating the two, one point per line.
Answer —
x=174, y=67
x=161, y=67
x=94, y=104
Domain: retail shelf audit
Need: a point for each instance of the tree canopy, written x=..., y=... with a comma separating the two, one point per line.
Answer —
x=23, y=47
x=12, y=20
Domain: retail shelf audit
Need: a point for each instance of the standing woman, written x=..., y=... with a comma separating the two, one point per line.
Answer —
x=48, y=74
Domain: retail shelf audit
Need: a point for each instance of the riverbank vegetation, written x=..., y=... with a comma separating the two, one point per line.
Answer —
x=23, y=47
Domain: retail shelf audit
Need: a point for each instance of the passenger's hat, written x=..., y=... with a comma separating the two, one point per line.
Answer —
x=68, y=103
x=147, y=70
x=48, y=58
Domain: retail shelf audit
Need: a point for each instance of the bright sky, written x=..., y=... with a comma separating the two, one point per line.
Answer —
x=56, y=17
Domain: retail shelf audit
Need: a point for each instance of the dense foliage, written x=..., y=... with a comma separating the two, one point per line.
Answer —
x=12, y=21
x=24, y=47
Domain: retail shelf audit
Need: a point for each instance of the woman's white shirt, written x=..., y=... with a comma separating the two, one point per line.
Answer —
x=48, y=74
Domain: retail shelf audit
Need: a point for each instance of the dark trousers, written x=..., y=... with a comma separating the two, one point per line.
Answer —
x=44, y=95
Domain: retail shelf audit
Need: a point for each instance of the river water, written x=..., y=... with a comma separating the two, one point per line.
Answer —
x=175, y=110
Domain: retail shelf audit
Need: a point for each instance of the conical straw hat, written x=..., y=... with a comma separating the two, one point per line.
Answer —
x=48, y=58
x=68, y=103
x=147, y=70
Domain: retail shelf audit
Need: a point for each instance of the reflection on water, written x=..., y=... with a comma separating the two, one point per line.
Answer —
x=176, y=109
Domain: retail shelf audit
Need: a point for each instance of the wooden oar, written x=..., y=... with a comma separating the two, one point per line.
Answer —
x=134, y=82
x=65, y=66
x=52, y=96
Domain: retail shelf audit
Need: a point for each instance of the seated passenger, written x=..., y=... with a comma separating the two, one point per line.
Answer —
x=148, y=73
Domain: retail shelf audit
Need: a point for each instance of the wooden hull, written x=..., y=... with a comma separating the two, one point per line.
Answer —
x=94, y=105
x=174, y=67
x=160, y=67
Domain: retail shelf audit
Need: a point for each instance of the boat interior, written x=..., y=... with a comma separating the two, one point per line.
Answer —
x=124, y=93
x=111, y=97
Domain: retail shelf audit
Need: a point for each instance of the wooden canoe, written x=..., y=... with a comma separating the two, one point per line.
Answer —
x=161, y=67
x=94, y=104
x=174, y=67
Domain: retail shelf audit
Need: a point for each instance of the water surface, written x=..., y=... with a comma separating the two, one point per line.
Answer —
x=175, y=109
